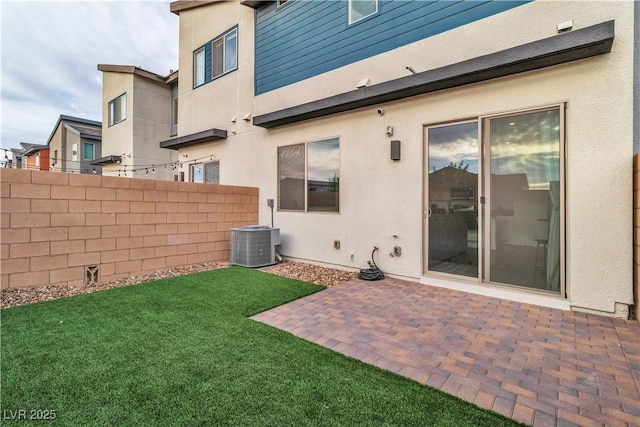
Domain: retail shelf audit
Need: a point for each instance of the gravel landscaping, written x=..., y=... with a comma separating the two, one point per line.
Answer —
x=295, y=270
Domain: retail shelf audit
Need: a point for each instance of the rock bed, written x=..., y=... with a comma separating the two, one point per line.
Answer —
x=295, y=270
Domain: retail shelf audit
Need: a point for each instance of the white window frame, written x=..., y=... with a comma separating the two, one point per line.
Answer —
x=196, y=56
x=306, y=178
x=203, y=172
x=350, y=7
x=118, y=109
x=223, y=38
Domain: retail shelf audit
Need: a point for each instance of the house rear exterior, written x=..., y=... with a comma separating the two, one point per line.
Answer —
x=73, y=144
x=137, y=105
x=481, y=146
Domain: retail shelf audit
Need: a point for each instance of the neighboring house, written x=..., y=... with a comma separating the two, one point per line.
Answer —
x=34, y=156
x=73, y=144
x=16, y=161
x=138, y=110
x=345, y=111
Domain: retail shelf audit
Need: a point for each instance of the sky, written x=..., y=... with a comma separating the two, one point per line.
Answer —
x=50, y=51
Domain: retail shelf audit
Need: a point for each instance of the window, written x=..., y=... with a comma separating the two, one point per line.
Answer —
x=118, y=109
x=88, y=151
x=38, y=160
x=360, y=9
x=174, y=109
x=225, y=53
x=74, y=152
x=198, y=67
x=309, y=176
x=280, y=3
x=208, y=173
x=216, y=58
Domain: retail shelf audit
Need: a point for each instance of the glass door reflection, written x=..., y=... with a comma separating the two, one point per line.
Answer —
x=452, y=210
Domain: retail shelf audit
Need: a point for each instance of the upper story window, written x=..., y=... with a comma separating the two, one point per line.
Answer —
x=74, y=152
x=360, y=9
x=309, y=176
x=216, y=58
x=118, y=109
x=174, y=109
x=88, y=151
x=198, y=67
x=225, y=53
x=280, y=2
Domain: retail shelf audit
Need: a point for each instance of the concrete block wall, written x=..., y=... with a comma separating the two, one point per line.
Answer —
x=56, y=225
x=636, y=234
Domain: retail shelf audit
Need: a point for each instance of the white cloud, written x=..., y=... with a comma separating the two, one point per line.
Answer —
x=50, y=52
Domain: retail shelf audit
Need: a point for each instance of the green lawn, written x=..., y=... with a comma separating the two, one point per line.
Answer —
x=182, y=351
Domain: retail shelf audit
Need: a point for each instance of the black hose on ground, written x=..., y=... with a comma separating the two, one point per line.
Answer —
x=373, y=272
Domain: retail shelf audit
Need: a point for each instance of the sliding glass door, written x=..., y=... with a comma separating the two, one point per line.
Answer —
x=494, y=205
x=452, y=209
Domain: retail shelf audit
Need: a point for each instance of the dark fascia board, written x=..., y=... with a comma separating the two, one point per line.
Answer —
x=194, y=139
x=89, y=136
x=106, y=160
x=559, y=49
x=182, y=5
x=33, y=149
x=254, y=4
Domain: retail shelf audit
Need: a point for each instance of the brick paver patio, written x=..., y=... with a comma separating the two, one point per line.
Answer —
x=539, y=366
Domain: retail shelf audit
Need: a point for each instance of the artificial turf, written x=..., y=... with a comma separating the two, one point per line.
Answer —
x=182, y=351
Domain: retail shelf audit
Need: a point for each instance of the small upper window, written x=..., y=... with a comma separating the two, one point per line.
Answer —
x=74, y=152
x=280, y=2
x=174, y=109
x=198, y=67
x=118, y=109
x=88, y=151
x=359, y=9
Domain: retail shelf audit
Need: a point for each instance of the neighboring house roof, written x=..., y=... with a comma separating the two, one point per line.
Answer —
x=77, y=120
x=17, y=152
x=130, y=69
x=86, y=132
x=29, y=149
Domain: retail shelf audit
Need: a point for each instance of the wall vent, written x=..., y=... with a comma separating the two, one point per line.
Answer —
x=254, y=245
x=91, y=275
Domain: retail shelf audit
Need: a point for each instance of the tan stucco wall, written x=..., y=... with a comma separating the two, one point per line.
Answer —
x=147, y=123
x=381, y=198
x=381, y=201
x=55, y=143
x=216, y=104
x=117, y=139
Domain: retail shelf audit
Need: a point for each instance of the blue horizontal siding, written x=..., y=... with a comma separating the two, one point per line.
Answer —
x=303, y=39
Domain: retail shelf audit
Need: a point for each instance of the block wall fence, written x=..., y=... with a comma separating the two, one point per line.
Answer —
x=58, y=226
x=636, y=235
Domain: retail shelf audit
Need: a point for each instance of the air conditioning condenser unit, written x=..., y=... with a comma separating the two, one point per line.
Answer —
x=254, y=245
